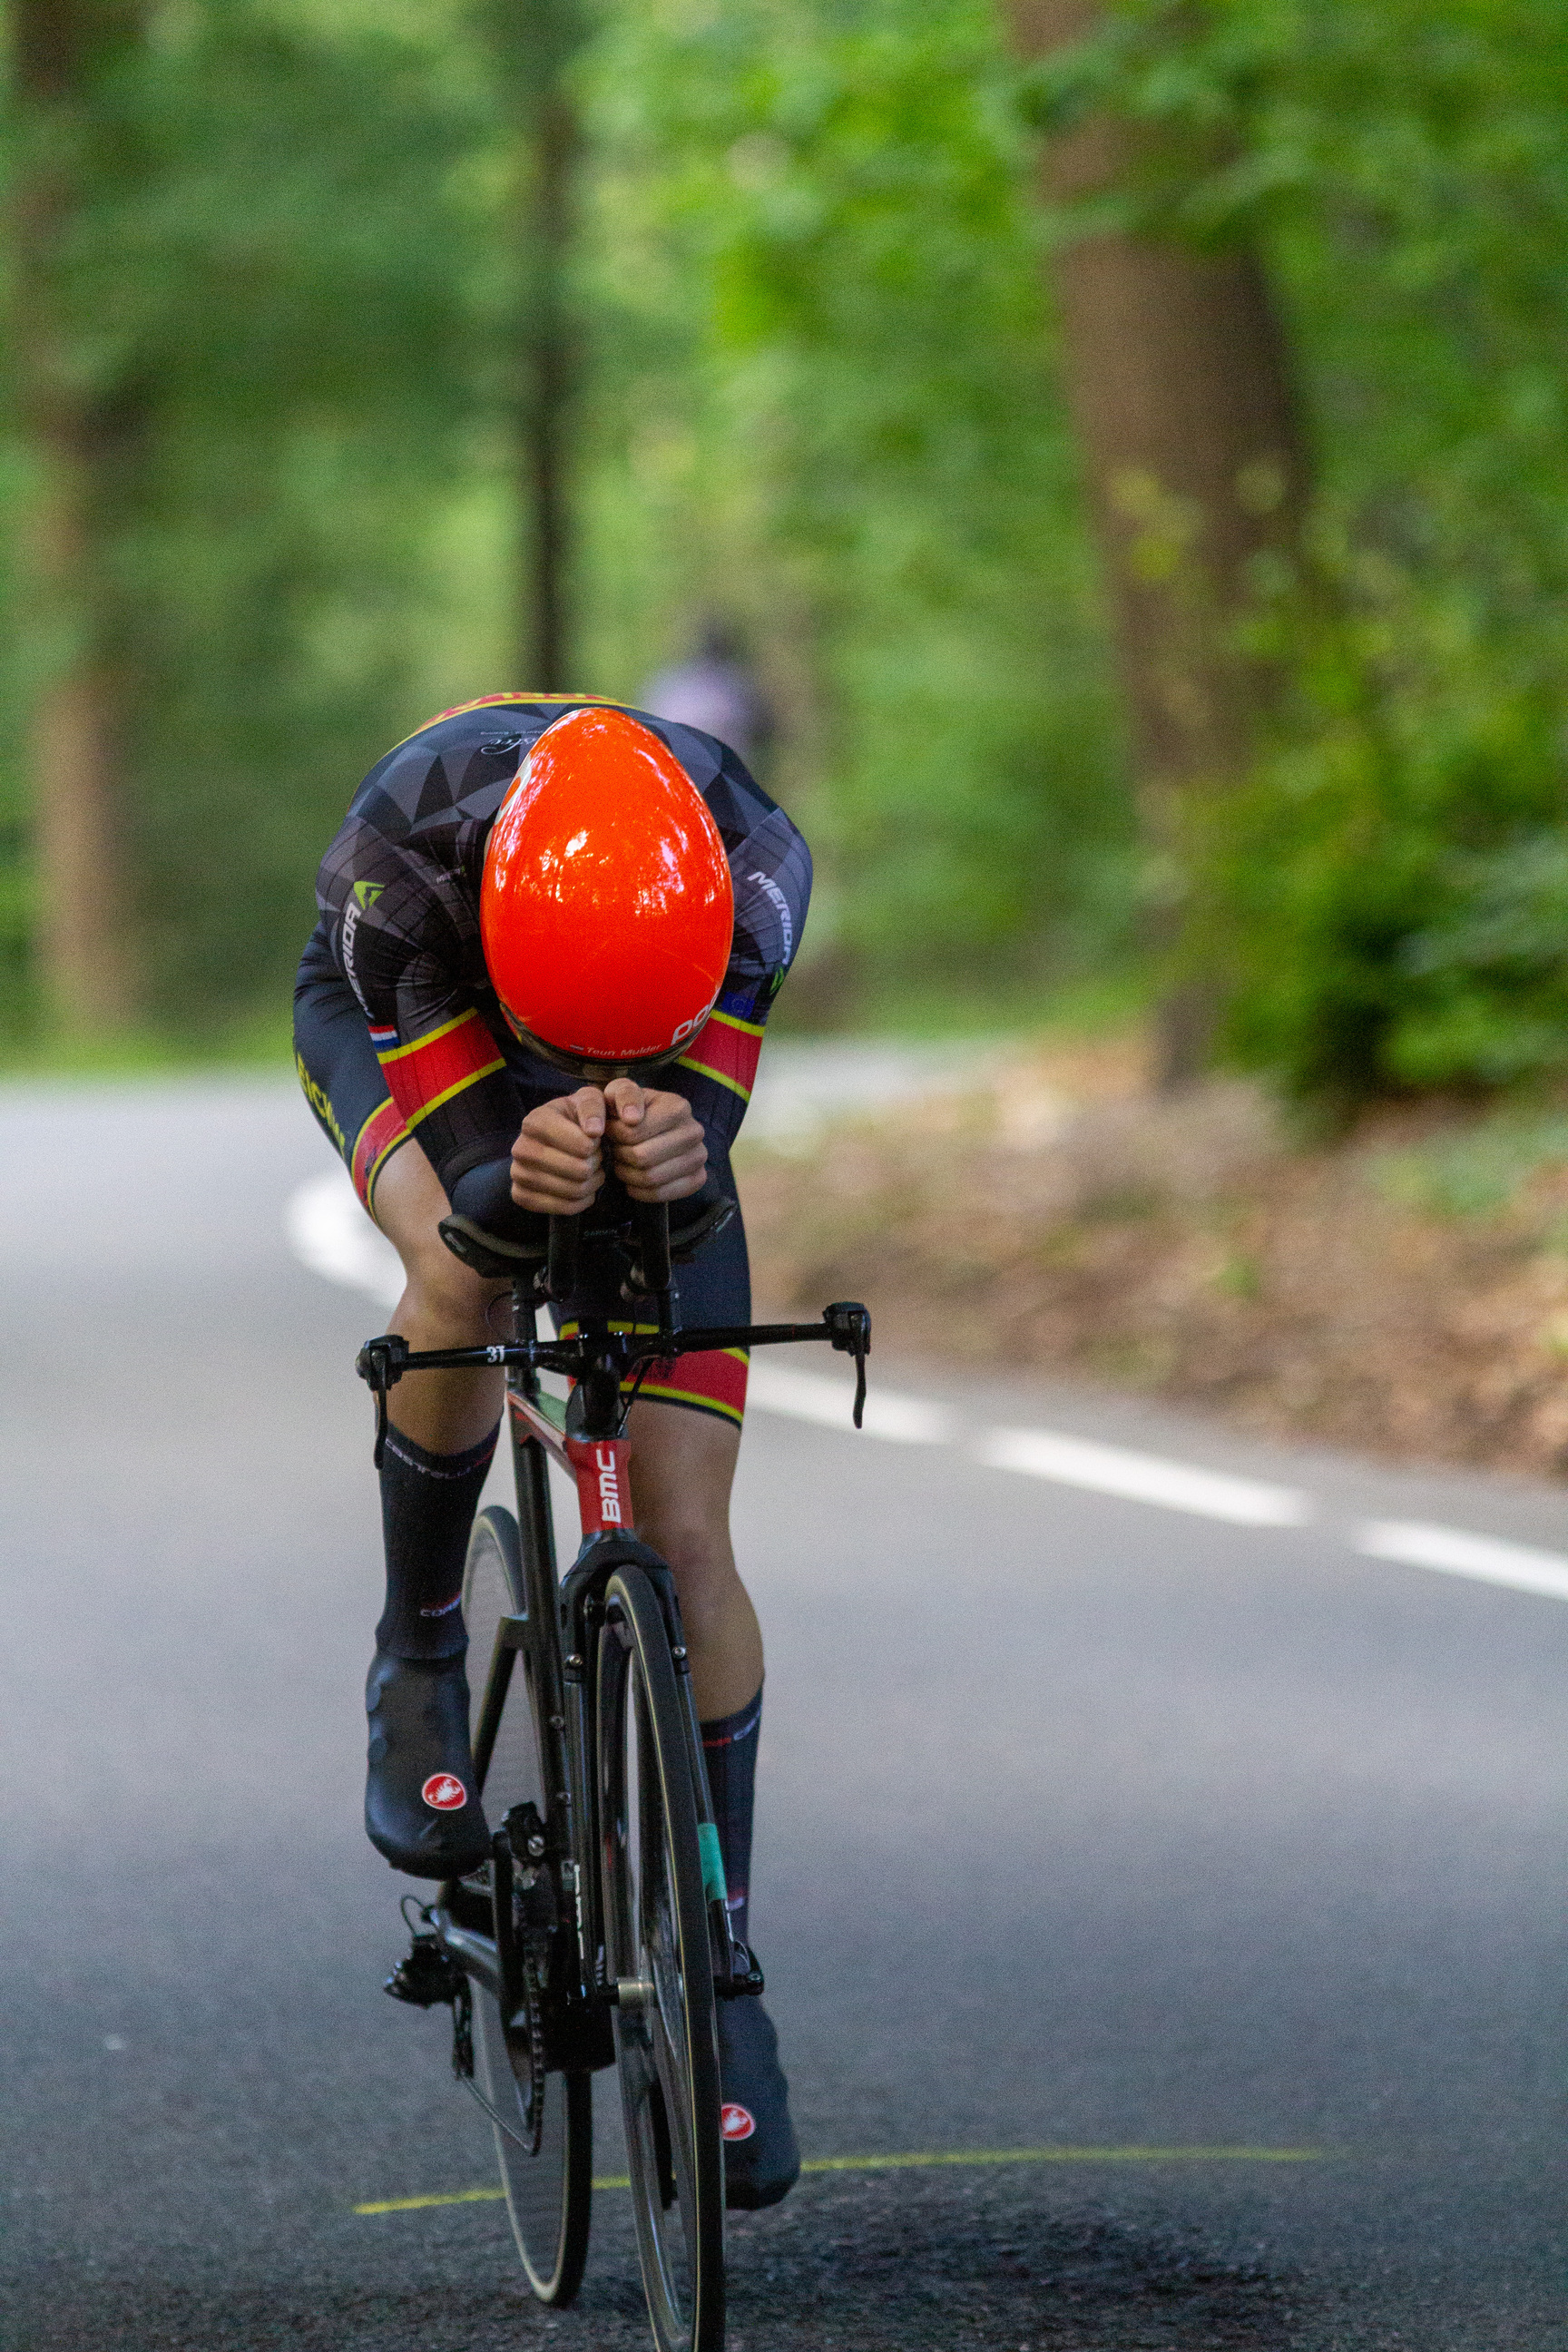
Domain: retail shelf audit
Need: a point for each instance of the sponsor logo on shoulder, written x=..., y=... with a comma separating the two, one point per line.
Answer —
x=736, y=2122
x=444, y=1793
x=367, y=892
x=351, y=913
x=770, y=891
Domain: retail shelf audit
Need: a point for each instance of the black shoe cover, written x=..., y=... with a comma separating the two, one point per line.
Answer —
x=420, y=1808
x=761, y=2160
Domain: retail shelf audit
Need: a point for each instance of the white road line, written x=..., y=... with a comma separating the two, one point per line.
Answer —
x=1450, y=1550
x=1145, y=1478
x=328, y=1232
x=806, y=1396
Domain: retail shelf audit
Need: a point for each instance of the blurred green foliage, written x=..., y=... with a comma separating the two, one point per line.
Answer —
x=836, y=407
x=1389, y=896
x=819, y=400
x=263, y=284
x=1475, y=1170
x=815, y=401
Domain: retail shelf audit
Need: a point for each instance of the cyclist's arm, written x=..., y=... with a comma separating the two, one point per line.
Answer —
x=403, y=945
x=771, y=870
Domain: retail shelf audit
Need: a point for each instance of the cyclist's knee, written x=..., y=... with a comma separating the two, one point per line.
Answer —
x=442, y=1292
x=697, y=1547
x=442, y=1289
x=683, y=1464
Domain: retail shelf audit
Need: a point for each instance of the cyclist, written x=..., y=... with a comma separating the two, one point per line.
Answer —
x=470, y=987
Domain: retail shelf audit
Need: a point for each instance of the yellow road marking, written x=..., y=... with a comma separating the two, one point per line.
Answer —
x=923, y=2159
x=1063, y=2156
x=444, y=2197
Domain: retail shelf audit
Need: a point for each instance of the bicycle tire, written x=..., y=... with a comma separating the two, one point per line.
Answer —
x=548, y=2195
x=655, y=1930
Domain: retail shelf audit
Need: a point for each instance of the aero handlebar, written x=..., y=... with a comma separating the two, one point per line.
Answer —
x=382, y=1362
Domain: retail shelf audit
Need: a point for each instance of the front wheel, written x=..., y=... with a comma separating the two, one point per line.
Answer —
x=545, y=2150
x=656, y=1953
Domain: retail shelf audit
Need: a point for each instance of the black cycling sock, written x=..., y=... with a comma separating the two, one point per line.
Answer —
x=730, y=1744
x=427, y=1505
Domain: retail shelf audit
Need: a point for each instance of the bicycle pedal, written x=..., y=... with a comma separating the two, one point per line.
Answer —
x=425, y=1976
x=742, y=1984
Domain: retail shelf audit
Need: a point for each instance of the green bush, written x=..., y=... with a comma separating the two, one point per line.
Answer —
x=1386, y=903
x=1387, y=898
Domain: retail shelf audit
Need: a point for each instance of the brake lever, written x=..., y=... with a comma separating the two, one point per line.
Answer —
x=850, y=1325
x=381, y=1363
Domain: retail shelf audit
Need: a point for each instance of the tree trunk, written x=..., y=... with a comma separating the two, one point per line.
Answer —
x=534, y=45
x=85, y=943
x=76, y=437
x=547, y=416
x=1178, y=384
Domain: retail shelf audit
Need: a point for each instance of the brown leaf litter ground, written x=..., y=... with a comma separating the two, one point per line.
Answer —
x=1401, y=1290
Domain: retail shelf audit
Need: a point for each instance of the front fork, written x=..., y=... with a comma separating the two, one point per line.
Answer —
x=567, y=1710
x=735, y=1971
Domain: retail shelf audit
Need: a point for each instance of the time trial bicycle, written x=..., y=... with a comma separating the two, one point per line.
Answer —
x=598, y=1934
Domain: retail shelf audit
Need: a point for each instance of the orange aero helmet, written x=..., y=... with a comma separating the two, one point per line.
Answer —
x=606, y=911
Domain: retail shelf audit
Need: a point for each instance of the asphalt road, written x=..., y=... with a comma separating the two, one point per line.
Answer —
x=1085, y=1825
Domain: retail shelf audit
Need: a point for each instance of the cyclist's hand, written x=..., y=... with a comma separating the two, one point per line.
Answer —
x=658, y=1150
x=557, y=1161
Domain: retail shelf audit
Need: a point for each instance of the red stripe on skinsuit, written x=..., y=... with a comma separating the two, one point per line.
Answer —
x=420, y=1074
x=715, y=1380
x=381, y=1128
x=733, y=1052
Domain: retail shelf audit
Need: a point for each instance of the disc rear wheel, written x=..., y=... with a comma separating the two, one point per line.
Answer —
x=655, y=1929
x=547, y=2193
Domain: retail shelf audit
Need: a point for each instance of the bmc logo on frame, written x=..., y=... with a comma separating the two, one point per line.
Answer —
x=609, y=1484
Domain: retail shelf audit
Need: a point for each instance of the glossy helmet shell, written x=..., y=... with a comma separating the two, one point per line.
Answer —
x=606, y=911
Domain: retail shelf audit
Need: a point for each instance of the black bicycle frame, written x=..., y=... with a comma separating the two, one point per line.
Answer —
x=587, y=1437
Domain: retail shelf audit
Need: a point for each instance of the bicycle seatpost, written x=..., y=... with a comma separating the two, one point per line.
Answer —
x=561, y=1268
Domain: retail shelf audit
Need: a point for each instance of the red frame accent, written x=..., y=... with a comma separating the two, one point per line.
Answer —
x=601, y=1467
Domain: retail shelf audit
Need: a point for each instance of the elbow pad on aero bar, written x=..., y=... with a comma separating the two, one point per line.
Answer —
x=488, y=1232
x=487, y=1229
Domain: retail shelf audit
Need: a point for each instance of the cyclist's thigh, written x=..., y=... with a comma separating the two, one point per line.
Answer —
x=683, y=1467
x=341, y=1075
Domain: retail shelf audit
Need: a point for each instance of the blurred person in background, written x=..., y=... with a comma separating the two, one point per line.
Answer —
x=717, y=691
x=525, y=896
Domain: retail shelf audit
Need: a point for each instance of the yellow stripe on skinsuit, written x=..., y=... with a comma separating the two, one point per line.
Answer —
x=402, y=1136
x=650, y=1390
x=688, y=1062
x=569, y=1328
x=397, y=1052
x=447, y=1092
x=376, y=1114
